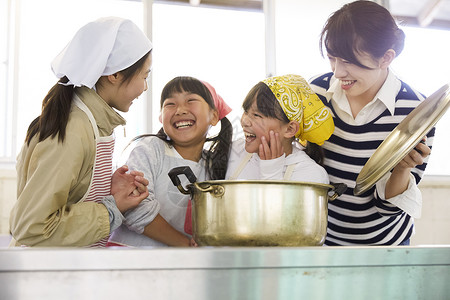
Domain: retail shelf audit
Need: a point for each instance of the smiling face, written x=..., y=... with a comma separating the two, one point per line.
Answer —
x=255, y=125
x=186, y=118
x=357, y=82
x=121, y=93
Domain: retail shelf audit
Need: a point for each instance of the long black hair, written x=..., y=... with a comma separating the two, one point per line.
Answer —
x=57, y=104
x=217, y=154
x=268, y=106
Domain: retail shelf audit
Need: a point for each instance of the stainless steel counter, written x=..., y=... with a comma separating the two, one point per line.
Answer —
x=226, y=273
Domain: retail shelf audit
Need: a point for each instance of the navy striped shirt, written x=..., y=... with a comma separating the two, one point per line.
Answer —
x=365, y=219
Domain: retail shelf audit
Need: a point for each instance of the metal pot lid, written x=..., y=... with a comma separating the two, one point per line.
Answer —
x=403, y=139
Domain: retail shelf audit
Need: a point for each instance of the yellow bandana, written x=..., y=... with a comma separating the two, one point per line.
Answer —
x=301, y=104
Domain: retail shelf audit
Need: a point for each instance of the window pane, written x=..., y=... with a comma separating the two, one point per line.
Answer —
x=222, y=46
x=44, y=35
x=424, y=64
x=5, y=103
x=195, y=41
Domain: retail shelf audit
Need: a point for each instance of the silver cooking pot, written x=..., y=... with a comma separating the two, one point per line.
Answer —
x=257, y=212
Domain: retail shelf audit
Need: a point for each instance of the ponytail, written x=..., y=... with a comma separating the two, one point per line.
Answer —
x=315, y=152
x=55, y=113
x=217, y=155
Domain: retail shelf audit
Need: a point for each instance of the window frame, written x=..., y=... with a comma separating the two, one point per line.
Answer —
x=9, y=108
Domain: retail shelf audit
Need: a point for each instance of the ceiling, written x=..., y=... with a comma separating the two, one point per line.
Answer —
x=423, y=13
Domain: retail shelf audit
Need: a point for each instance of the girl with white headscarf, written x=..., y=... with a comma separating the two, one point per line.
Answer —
x=67, y=194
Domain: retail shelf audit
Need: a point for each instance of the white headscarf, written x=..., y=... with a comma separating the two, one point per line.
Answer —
x=101, y=48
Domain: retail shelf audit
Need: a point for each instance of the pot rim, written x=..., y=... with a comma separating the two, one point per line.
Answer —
x=267, y=182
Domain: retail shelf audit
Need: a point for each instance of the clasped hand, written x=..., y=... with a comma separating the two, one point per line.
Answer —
x=128, y=189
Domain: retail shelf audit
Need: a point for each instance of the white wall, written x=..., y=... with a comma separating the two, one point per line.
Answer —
x=434, y=225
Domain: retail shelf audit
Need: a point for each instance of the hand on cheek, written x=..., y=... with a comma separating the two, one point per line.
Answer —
x=270, y=150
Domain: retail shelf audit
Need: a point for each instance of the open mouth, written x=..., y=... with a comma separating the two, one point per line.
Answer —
x=346, y=84
x=249, y=137
x=183, y=124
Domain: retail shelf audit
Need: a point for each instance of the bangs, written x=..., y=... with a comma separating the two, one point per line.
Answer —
x=266, y=102
x=341, y=40
x=189, y=85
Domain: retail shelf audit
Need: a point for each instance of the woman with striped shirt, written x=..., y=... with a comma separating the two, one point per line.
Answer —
x=368, y=101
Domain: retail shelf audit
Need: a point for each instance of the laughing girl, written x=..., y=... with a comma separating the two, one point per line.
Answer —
x=189, y=107
x=281, y=115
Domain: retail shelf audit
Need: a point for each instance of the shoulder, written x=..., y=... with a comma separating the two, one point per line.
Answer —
x=407, y=99
x=149, y=145
x=76, y=153
x=320, y=85
x=238, y=144
x=79, y=123
x=146, y=154
x=322, y=80
x=307, y=169
x=79, y=133
x=406, y=92
x=237, y=149
x=150, y=141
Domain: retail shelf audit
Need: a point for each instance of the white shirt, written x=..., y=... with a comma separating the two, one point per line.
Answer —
x=306, y=169
x=385, y=98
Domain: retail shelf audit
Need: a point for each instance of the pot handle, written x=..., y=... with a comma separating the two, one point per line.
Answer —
x=216, y=190
x=175, y=172
x=339, y=189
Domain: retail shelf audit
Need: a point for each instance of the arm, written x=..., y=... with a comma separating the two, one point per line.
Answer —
x=400, y=177
x=145, y=219
x=127, y=190
x=159, y=229
x=399, y=187
x=47, y=212
x=307, y=170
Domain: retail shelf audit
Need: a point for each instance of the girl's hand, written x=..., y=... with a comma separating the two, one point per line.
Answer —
x=192, y=243
x=128, y=189
x=140, y=182
x=273, y=149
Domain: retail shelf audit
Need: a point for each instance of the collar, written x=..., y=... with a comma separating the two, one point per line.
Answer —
x=388, y=91
x=386, y=95
x=106, y=117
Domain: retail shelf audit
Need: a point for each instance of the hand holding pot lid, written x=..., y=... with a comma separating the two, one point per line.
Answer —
x=403, y=139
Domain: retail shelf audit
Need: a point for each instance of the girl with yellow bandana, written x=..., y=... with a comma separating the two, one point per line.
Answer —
x=284, y=124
